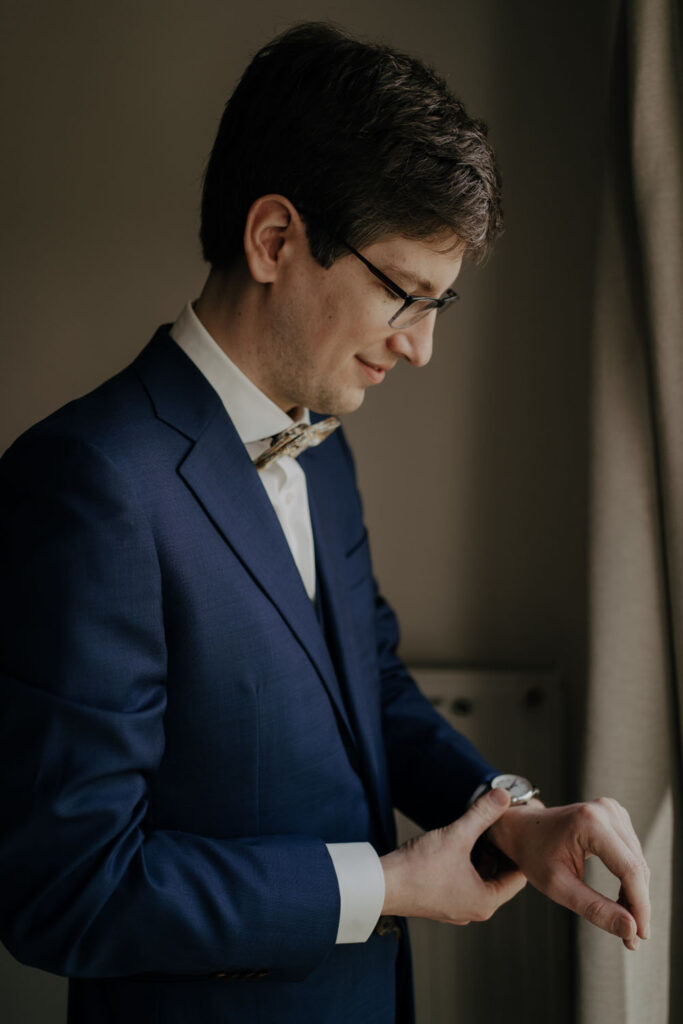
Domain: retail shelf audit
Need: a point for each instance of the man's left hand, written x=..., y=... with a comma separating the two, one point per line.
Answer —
x=551, y=844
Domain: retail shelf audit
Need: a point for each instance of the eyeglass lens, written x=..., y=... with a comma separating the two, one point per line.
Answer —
x=416, y=311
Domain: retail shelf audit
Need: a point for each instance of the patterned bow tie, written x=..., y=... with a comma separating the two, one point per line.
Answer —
x=295, y=440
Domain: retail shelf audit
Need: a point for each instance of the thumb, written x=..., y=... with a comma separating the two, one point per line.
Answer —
x=484, y=811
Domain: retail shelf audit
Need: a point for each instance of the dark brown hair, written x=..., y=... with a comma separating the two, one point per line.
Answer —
x=365, y=141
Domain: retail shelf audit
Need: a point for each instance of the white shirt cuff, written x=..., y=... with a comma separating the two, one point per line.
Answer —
x=477, y=793
x=361, y=889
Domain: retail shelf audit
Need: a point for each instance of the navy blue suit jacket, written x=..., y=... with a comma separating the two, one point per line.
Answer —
x=179, y=736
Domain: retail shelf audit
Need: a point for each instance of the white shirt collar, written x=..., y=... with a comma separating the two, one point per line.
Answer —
x=254, y=415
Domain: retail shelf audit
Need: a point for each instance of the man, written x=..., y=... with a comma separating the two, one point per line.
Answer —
x=205, y=722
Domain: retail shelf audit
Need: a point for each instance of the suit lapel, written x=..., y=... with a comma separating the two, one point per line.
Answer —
x=329, y=557
x=219, y=472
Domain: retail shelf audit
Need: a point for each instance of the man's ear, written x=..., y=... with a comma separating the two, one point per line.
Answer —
x=271, y=221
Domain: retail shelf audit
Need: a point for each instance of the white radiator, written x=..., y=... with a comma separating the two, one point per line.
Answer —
x=513, y=969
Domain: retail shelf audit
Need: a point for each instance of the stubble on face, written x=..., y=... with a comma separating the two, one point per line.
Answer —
x=301, y=369
x=318, y=323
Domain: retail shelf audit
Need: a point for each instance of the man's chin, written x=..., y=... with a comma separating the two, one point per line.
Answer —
x=349, y=403
x=340, y=405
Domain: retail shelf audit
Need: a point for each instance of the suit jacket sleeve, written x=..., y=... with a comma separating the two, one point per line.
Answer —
x=86, y=889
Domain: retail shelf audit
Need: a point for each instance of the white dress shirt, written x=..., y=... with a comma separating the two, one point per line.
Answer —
x=256, y=419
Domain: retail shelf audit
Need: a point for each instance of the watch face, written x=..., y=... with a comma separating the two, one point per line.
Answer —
x=519, y=788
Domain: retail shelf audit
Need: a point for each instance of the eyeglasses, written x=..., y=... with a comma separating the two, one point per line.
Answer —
x=414, y=307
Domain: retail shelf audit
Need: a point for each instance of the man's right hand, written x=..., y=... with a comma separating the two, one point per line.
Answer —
x=433, y=875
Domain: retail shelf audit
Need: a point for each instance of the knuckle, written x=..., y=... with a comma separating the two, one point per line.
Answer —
x=593, y=912
x=586, y=811
x=614, y=810
x=642, y=871
x=588, y=814
x=633, y=867
x=478, y=810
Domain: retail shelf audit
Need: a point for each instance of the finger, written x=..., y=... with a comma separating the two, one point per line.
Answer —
x=595, y=908
x=616, y=816
x=621, y=822
x=630, y=867
x=643, y=930
x=482, y=814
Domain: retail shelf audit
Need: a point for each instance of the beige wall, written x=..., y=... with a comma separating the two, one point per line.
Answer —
x=473, y=469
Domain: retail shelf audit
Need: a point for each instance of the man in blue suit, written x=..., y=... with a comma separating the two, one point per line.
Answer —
x=205, y=723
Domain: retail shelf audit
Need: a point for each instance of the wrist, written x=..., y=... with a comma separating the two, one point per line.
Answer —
x=506, y=833
x=394, y=883
x=409, y=880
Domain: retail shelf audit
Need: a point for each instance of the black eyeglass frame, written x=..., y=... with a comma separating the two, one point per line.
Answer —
x=446, y=299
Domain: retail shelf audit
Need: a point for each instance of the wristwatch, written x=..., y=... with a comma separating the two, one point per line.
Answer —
x=520, y=789
x=486, y=857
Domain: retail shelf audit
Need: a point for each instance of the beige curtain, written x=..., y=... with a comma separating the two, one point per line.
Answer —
x=635, y=671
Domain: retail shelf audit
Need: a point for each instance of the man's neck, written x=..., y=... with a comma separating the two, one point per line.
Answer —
x=228, y=309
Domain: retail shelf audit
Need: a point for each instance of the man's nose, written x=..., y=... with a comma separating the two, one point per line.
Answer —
x=414, y=344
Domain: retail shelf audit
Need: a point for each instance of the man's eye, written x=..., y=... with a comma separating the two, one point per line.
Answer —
x=388, y=291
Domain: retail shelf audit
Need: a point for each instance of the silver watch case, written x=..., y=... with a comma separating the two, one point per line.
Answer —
x=520, y=789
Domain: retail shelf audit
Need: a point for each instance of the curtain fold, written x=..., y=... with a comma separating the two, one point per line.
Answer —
x=634, y=724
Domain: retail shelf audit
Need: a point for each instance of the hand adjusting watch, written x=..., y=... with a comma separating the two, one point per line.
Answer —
x=486, y=857
x=520, y=789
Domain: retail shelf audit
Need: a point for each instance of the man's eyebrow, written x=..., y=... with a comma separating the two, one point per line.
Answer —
x=418, y=285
